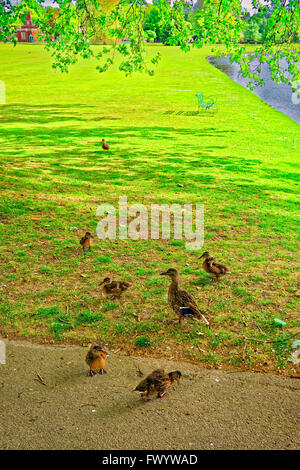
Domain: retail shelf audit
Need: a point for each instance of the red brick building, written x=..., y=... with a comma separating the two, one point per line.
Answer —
x=27, y=32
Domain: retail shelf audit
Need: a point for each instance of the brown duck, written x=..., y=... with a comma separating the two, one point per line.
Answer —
x=86, y=241
x=114, y=289
x=105, y=145
x=96, y=359
x=182, y=303
x=210, y=266
x=156, y=383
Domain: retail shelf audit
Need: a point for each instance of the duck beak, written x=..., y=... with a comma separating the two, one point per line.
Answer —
x=163, y=274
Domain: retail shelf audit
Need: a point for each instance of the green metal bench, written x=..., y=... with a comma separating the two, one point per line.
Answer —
x=205, y=104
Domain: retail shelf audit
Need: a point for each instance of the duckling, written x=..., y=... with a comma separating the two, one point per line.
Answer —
x=182, y=303
x=114, y=288
x=210, y=266
x=86, y=242
x=105, y=145
x=157, y=382
x=96, y=360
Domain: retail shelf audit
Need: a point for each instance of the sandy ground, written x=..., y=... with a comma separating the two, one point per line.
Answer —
x=208, y=409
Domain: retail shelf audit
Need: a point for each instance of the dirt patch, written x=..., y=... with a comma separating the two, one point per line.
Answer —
x=208, y=409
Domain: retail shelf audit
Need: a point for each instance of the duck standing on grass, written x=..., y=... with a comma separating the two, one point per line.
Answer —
x=211, y=267
x=105, y=145
x=114, y=289
x=96, y=360
x=182, y=303
x=157, y=382
x=86, y=242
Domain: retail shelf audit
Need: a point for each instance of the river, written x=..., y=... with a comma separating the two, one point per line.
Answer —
x=279, y=96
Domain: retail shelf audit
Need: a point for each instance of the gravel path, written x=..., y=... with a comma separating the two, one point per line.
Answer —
x=208, y=409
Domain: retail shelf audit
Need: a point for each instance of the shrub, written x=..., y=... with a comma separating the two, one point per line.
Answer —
x=57, y=329
x=143, y=342
x=88, y=317
x=47, y=311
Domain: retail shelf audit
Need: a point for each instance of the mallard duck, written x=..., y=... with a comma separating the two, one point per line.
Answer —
x=96, y=359
x=105, y=145
x=157, y=382
x=86, y=241
x=114, y=289
x=210, y=266
x=183, y=303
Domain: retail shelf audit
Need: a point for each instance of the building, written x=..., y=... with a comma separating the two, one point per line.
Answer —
x=28, y=32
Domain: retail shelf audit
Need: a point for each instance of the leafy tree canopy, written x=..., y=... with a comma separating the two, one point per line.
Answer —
x=68, y=32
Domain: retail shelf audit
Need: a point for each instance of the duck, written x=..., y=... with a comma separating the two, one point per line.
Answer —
x=96, y=359
x=212, y=267
x=114, y=289
x=105, y=145
x=182, y=303
x=156, y=383
x=86, y=242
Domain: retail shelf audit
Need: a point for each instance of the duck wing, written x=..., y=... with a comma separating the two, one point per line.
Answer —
x=124, y=285
x=150, y=382
x=142, y=386
x=190, y=307
x=156, y=374
x=112, y=287
x=158, y=381
x=91, y=356
x=216, y=268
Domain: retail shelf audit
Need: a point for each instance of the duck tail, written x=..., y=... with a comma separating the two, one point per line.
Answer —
x=203, y=318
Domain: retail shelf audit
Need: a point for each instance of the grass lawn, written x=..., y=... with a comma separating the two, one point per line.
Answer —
x=241, y=163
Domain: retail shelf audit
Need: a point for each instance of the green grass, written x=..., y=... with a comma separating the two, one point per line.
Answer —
x=240, y=162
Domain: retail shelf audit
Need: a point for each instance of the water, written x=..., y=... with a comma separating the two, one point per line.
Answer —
x=280, y=97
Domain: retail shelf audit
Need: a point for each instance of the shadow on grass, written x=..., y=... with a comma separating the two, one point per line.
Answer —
x=62, y=158
x=206, y=281
x=50, y=113
x=190, y=113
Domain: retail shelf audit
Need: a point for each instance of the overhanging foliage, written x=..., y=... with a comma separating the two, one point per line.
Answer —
x=69, y=29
